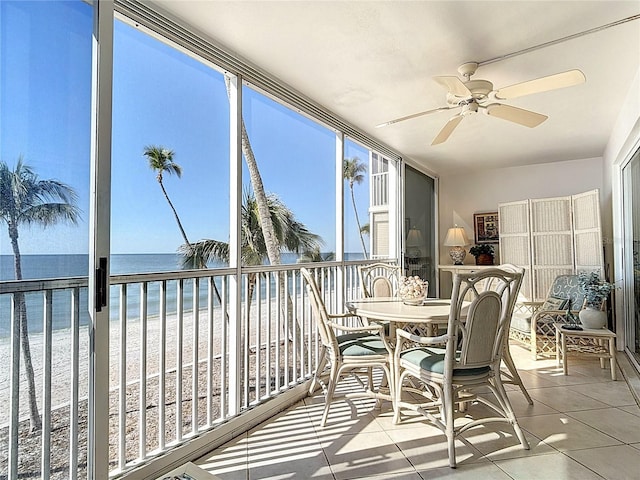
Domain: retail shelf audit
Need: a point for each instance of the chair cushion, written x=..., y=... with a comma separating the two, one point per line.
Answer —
x=360, y=344
x=521, y=322
x=432, y=360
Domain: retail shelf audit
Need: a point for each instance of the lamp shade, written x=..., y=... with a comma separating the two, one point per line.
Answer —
x=456, y=237
x=414, y=238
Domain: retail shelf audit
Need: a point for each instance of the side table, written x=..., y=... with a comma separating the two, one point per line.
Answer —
x=595, y=346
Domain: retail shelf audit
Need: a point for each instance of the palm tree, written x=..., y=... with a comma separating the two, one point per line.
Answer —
x=290, y=234
x=262, y=202
x=25, y=199
x=316, y=255
x=161, y=161
x=353, y=172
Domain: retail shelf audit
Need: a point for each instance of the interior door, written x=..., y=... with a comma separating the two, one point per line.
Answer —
x=631, y=287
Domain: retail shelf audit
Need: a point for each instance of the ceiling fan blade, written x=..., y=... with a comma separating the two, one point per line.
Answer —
x=514, y=114
x=414, y=115
x=453, y=85
x=544, y=84
x=447, y=130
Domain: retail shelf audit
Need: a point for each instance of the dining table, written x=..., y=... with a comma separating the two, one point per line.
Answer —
x=424, y=319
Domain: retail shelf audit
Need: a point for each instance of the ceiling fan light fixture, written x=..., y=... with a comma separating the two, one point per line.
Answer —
x=469, y=108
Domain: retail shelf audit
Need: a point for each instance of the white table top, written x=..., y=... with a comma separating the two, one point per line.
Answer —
x=433, y=310
x=586, y=332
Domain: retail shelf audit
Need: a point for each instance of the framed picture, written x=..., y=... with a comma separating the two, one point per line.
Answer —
x=485, y=226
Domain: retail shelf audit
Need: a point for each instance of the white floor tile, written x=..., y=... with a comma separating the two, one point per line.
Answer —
x=553, y=466
x=229, y=462
x=498, y=441
x=471, y=471
x=612, y=421
x=356, y=456
x=565, y=400
x=621, y=462
x=616, y=394
x=564, y=432
x=426, y=448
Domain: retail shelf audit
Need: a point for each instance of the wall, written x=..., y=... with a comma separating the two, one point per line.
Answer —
x=463, y=195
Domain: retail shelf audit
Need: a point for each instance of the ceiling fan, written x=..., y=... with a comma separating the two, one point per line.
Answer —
x=472, y=96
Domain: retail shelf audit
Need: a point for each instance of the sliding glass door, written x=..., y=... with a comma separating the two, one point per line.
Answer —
x=419, y=224
x=45, y=150
x=631, y=186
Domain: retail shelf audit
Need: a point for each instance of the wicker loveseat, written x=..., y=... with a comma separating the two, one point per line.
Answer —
x=533, y=322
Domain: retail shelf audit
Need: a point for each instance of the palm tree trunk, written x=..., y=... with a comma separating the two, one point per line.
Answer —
x=175, y=213
x=355, y=210
x=21, y=313
x=201, y=262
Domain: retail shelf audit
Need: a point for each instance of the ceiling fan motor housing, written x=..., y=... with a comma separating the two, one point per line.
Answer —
x=479, y=88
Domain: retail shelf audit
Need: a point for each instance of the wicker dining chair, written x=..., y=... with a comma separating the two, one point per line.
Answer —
x=357, y=351
x=470, y=359
x=379, y=279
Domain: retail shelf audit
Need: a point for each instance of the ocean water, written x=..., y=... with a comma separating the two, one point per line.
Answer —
x=66, y=266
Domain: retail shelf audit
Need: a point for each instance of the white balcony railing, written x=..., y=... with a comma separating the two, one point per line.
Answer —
x=181, y=361
x=380, y=189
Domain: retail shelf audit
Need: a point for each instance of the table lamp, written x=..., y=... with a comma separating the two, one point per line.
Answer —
x=414, y=242
x=456, y=239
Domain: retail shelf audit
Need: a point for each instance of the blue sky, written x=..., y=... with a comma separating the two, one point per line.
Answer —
x=161, y=97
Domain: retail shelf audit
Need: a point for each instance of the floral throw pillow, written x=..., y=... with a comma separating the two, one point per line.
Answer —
x=553, y=303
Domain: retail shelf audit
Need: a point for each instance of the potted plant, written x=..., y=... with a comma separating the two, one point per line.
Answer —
x=484, y=253
x=595, y=292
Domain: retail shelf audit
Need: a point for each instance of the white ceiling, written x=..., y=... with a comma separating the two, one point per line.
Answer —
x=370, y=62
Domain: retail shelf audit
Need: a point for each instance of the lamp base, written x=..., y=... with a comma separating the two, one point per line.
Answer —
x=457, y=254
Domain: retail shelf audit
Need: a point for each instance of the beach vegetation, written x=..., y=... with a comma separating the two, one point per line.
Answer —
x=291, y=236
x=27, y=200
x=353, y=170
x=161, y=161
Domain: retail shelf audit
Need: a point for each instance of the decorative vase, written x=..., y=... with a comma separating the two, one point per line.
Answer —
x=484, y=259
x=592, y=318
x=412, y=290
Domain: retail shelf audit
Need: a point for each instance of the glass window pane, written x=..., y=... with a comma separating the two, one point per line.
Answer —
x=420, y=226
x=45, y=123
x=295, y=157
x=170, y=172
x=357, y=221
x=45, y=147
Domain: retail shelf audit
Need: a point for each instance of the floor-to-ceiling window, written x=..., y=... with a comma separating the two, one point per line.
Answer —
x=45, y=151
x=295, y=160
x=170, y=153
x=631, y=190
x=419, y=221
x=170, y=171
x=357, y=224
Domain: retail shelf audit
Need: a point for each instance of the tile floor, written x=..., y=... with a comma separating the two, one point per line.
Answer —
x=581, y=426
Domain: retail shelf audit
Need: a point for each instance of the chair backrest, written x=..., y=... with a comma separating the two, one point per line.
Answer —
x=568, y=287
x=327, y=335
x=379, y=279
x=486, y=323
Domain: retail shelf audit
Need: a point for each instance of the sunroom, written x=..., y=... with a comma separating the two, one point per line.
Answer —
x=163, y=318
